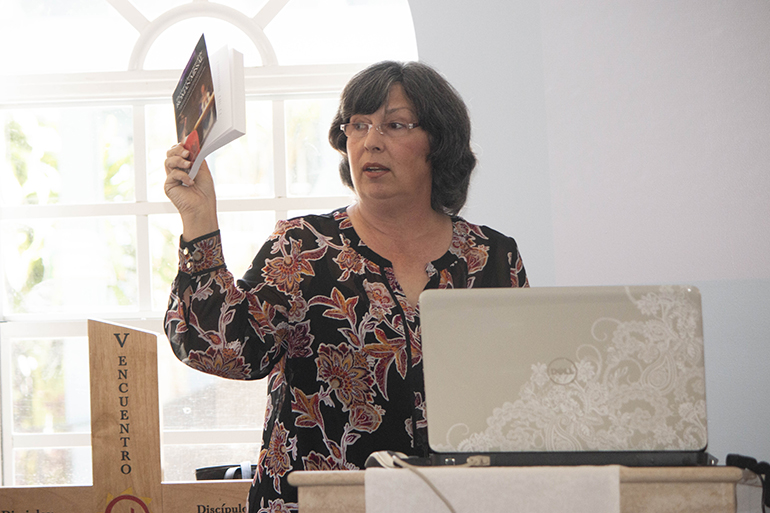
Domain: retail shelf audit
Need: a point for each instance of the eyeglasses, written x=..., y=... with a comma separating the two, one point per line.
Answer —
x=392, y=129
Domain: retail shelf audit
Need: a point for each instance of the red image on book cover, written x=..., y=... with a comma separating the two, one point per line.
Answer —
x=192, y=143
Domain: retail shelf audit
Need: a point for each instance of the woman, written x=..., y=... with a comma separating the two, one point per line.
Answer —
x=329, y=308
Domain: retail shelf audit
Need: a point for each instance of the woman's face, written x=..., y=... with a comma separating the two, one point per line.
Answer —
x=386, y=168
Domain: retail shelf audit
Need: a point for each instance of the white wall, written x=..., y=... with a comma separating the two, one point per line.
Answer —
x=629, y=142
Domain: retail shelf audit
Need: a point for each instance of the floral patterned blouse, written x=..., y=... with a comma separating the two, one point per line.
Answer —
x=324, y=319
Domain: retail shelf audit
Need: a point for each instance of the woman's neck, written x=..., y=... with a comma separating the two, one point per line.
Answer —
x=409, y=240
x=399, y=226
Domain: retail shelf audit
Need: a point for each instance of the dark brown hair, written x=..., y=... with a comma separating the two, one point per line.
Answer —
x=440, y=112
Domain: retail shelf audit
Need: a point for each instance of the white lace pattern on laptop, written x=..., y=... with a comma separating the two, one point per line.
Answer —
x=619, y=399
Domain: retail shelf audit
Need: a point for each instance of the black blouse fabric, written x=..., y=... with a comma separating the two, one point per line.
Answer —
x=324, y=319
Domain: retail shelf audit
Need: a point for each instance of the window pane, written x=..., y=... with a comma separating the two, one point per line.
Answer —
x=70, y=155
x=60, y=466
x=154, y=8
x=161, y=135
x=330, y=24
x=242, y=169
x=313, y=165
x=75, y=265
x=192, y=400
x=65, y=36
x=151, y=9
x=164, y=243
x=210, y=402
x=50, y=386
x=248, y=7
x=174, y=46
x=180, y=461
x=243, y=233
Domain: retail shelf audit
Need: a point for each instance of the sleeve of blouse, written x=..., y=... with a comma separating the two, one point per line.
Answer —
x=214, y=325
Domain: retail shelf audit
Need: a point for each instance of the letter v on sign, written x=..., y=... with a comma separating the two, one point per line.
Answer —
x=121, y=342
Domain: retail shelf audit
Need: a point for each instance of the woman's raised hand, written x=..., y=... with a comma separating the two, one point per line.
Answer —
x=194, y=199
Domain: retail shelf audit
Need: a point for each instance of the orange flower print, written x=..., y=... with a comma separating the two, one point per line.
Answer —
x=277, y=377
x=383, y=354
x=366, y=417
x=226, y=364
x=309, y=409
x=285, y=273
x=445, y=280
x=349, y=261
x=260, y=316
x=516, y=270
x=464, y=229
x=380, y=300
x=276, y=457
x=342, y=308
x=277, y=506
x=298, y=309
x=464, y=246
x=175, y=313
x=315, y=461
x=224, y=281
x=346, y=372
x=391, y=277
x=342, y=217
x=284, y=225
x=352, y=337
x=297, y=339
x=475, y=256
x=207, y=254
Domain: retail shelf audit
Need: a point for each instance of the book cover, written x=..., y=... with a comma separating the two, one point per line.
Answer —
x=195, y=102
x=210, y=102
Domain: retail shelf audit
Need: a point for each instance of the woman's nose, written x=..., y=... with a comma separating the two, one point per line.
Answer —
x=373, y=140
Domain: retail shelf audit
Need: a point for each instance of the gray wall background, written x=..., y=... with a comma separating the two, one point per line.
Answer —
x=629, y=143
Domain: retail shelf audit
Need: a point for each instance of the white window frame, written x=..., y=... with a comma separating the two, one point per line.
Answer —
x=138, y=88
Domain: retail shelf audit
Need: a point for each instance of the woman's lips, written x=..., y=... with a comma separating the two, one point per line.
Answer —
x=374, y=167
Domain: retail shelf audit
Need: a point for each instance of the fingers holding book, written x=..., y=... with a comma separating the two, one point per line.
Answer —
x=177, y=165
x=177, y=158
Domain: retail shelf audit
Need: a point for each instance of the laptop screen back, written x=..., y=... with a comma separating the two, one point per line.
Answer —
x=564, y=369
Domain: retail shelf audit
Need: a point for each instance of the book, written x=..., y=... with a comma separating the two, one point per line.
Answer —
x=210, y=102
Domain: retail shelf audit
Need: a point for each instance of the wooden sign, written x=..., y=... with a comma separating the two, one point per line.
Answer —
x=125, y=419
x=125, y=442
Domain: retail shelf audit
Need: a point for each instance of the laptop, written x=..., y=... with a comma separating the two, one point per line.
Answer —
x=565, y=376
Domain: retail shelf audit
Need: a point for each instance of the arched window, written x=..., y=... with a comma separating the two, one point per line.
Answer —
x=85, y=230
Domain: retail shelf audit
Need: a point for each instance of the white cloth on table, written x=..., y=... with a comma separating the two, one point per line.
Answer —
x=579, y=489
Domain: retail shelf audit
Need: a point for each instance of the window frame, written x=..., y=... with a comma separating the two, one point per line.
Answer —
x=274, y=85
x=137, y=89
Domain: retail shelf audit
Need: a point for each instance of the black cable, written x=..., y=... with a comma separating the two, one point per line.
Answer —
x=761, y=469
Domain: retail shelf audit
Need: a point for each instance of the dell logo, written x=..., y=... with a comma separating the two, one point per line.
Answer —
x=562, y=371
